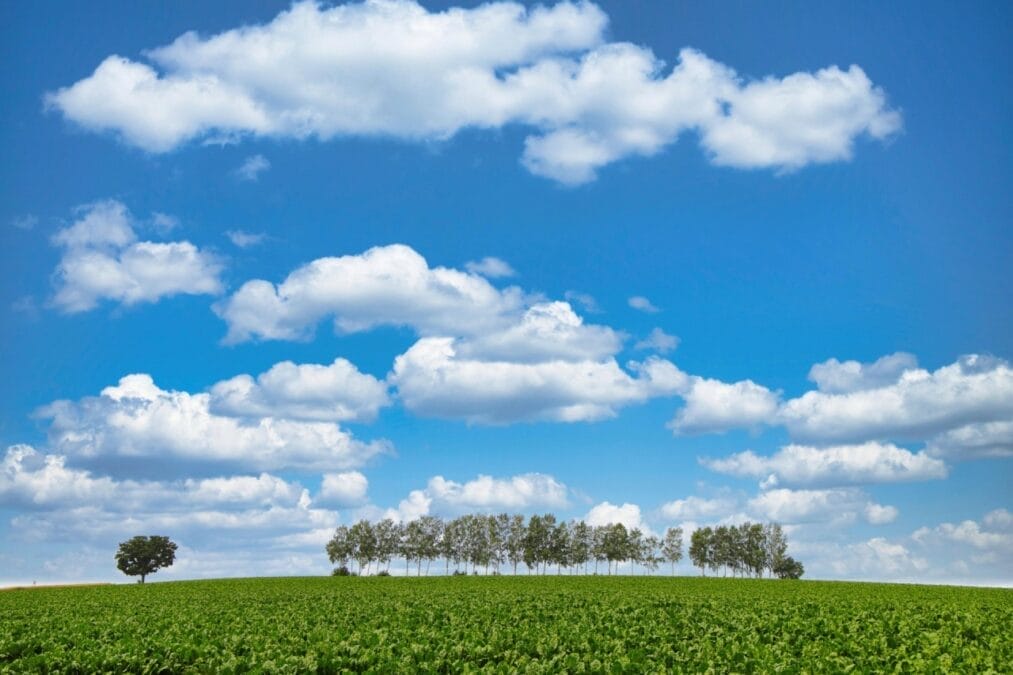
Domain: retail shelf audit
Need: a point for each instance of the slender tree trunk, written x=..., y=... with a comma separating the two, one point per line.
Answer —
x=142, y=577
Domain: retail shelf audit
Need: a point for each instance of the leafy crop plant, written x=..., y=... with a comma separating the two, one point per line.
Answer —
x=506, y=624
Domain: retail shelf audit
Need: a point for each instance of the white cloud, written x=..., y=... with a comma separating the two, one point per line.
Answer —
x=45, y=483
x=433, y=380
x=877, y=557
x=839, y=505
x=296, y=555
x=485, y=355
x=658, y=341
x=801, y=119
x=264, y=489
x=546, y=331
x=105, y=223
x=215, y=528
x=247, y=524
x=28, y=477
x=971, y=533
x=836, y=377
x=642, y=304
x=699, y=508
x=716, y=406
x=163, y=223
x=920, y=558
x=137, y=419
x=490, y=268
x=344, y=489
x=102, y=260
x=252, y=167
x=519, y=492
x=962, y=411
x=976, y=389
x=395, y=69
x=385, y=286
x=584, y=300
x=607, y=513
x=878, y=514
x=869, y=462
x=337, y=393
x=245, y=239
x=483, y=493
x=987, y=439
x=1000, y=519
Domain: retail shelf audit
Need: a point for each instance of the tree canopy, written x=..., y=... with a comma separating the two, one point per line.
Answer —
x=141, y=556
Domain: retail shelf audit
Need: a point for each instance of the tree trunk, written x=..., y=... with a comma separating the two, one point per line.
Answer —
x=142, y=577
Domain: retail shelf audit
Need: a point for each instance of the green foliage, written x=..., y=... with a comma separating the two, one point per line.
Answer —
x=789, y=568
x=141, y=556
x=525, y=624
x=490, y=541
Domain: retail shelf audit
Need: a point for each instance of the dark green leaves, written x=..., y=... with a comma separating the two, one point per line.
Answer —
x=141, y=556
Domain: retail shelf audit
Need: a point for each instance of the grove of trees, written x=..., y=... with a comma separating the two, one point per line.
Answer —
x=490, y=542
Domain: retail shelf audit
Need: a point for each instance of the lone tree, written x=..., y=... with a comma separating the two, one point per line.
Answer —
x=141, y=556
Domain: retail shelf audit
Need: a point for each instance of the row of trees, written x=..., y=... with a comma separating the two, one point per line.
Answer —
x=747, y=549
x=491, y=541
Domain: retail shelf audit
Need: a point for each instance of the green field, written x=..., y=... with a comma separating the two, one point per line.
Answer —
x=506, y=624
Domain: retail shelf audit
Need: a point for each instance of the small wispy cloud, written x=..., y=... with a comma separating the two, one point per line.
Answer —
x=642, y=304
x=251, y=169
x=492, y=268
x=26, y=305
x=245, y=239
x=584, y=300
x=163, y=222
x=659, y=341
x=25, y=222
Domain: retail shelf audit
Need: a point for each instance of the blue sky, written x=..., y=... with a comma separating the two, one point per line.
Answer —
x=813, y=205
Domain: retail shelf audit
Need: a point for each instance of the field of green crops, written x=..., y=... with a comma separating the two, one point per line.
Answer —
x=505, y=624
